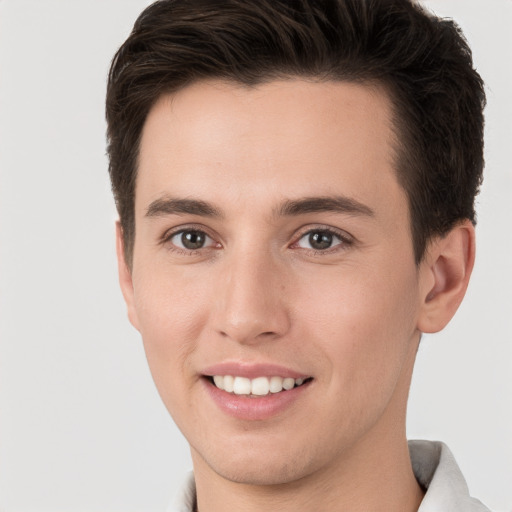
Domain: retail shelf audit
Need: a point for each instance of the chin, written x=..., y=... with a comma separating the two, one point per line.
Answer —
x=264, y=475
x=261, y=467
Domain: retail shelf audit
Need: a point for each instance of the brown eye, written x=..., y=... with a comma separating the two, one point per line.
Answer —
x=191, y=240
x=320, y=240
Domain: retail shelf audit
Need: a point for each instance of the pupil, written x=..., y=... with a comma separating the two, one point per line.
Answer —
x=320, y=240
x=192, y=239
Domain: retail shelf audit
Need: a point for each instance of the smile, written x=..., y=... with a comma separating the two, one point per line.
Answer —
x=259, y=386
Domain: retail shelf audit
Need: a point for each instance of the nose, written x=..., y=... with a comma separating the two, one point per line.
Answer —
x=252, y=304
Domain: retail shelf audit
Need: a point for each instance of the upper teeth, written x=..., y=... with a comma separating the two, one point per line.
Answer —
x=259, y=386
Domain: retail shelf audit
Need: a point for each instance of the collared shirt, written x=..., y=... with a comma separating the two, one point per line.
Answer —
x=434, y=467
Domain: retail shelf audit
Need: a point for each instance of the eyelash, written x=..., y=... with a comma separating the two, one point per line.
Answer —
x=345, y=240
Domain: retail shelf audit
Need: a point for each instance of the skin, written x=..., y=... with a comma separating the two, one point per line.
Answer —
x=350, y=316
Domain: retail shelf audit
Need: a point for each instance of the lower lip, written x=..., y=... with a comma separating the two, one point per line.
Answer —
x=244, y=407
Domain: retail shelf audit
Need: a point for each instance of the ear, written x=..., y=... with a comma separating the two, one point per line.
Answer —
x=125, y=277
x=445, y=273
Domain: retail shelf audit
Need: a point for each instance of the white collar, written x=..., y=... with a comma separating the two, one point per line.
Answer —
x=436, y=470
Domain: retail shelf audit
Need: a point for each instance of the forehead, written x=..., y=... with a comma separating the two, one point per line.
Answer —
x=282, y=138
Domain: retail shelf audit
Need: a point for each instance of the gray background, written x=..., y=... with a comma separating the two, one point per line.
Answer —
x=81, y=425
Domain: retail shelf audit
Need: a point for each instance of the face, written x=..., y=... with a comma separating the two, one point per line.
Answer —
x=273, y=279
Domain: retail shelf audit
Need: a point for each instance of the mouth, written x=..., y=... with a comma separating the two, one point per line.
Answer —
x=257, y=387
x=256, y=391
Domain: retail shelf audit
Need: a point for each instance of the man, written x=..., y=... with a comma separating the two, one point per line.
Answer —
x=295, y=183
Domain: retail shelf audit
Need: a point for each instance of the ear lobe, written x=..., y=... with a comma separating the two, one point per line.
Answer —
x=445, y=275
x=125, y=277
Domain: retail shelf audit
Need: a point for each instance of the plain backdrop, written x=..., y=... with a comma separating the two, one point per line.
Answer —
x=81, y=424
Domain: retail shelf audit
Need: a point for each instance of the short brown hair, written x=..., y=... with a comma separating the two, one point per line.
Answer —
x=423, y=61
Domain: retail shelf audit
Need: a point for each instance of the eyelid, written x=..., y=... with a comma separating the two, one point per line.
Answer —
x=168, y=233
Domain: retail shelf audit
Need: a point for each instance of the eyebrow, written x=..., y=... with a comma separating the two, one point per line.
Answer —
x=177, y=206
x=337, y=204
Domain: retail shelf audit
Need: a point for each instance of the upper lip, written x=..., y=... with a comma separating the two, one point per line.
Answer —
x=252, y=370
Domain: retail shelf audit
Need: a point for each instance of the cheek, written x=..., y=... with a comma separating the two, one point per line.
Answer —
x=363, y=320
x=168, y=303
x=172, y=311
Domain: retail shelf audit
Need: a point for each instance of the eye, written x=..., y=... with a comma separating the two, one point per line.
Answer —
x=191, y=240
x=320, y=240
